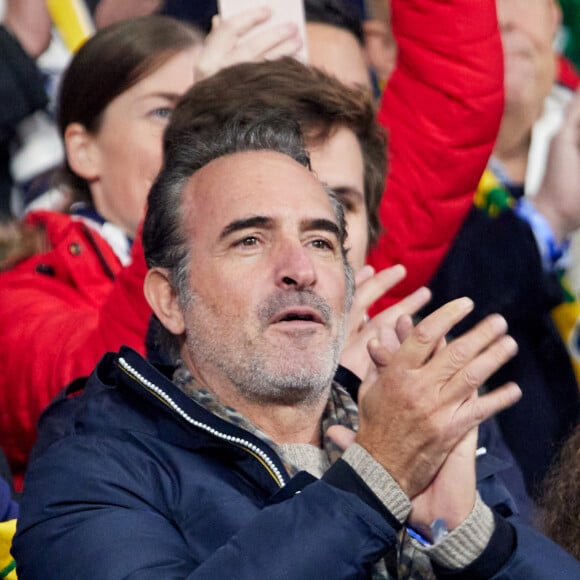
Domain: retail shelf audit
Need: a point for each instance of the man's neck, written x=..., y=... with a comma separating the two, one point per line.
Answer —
x=512, y=152
x=514, y=138
x=295, y=422
x=285, y=423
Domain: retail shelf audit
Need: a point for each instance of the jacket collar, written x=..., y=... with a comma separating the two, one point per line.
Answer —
x=135, y=373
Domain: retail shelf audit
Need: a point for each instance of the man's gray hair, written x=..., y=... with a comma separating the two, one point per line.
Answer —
x=186, y=151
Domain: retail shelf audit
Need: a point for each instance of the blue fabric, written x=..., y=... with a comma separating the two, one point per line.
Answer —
x=129, y=488
x=8, y=508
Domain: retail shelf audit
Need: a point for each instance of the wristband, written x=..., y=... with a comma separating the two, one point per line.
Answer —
x=438, y=532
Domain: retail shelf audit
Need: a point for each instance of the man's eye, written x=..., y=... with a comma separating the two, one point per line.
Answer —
x=322, y=244
x=248, y=241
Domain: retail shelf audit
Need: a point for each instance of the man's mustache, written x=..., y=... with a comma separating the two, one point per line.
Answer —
x=284, y=299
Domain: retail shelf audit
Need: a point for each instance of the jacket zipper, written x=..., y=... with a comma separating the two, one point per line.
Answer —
x=254, y=450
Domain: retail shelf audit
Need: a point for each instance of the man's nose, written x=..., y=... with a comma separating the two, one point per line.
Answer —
x=294, y=266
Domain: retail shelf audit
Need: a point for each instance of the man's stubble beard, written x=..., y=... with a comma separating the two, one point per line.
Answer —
x=261, y=372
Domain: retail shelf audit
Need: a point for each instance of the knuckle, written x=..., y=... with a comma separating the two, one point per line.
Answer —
x=470, y=379
x=457, y=354
x=478, y=413
x=423, y=335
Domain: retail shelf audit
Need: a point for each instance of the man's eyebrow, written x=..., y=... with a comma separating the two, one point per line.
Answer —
x=245, y=223
x=321, y=224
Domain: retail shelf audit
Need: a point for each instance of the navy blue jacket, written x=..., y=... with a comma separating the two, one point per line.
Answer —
x=144, y=483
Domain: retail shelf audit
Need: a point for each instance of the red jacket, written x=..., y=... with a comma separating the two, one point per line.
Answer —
x=61, y=311
x=442, y=108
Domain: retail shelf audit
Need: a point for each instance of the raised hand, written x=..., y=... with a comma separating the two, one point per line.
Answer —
x=423, y=400
x=235, y=40
x=370, y=287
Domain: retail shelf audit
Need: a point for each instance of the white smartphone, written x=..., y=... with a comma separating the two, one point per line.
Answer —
x=283, y=12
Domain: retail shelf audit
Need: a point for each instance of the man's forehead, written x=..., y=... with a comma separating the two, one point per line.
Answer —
x=251, y=183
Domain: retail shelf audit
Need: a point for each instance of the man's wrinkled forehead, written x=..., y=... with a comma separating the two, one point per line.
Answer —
x=264, y=183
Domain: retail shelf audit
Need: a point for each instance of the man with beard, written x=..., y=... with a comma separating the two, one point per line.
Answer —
x=227, y=468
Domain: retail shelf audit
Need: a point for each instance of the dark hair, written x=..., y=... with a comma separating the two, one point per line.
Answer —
x=560, y=501
x=320, y=103
x=108, y=64
x=337, y=13
x=188, y=148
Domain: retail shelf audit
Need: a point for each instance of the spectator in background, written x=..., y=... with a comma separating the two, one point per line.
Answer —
x=24, y=35
x=335, y=41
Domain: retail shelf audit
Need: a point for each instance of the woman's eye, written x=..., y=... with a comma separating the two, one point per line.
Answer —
x=162, y=113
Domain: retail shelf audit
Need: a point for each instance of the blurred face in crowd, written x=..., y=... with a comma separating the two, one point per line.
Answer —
x=338, y=162
x=337, y=52
x=266, y=305
x=121, y=160
x=380, y=43
x=528, y=29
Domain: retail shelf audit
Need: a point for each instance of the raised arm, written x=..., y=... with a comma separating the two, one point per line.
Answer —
x=442, y=108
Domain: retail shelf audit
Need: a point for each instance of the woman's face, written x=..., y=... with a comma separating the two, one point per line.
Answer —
x=126, y=152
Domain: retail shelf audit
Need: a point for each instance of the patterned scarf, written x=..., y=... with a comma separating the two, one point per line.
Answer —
x=409, y=563
x=494, y=198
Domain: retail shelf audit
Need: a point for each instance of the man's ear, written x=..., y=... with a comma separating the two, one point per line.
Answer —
x=81, y=151
x=163, y=300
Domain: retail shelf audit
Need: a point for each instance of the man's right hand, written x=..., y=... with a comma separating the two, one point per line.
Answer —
x=422, y=399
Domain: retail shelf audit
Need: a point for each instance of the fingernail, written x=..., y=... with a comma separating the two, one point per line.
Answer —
x=499, y=322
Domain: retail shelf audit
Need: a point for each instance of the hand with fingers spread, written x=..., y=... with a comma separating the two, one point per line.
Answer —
x=421, y=401
x=235, y=40
x=369, y=287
